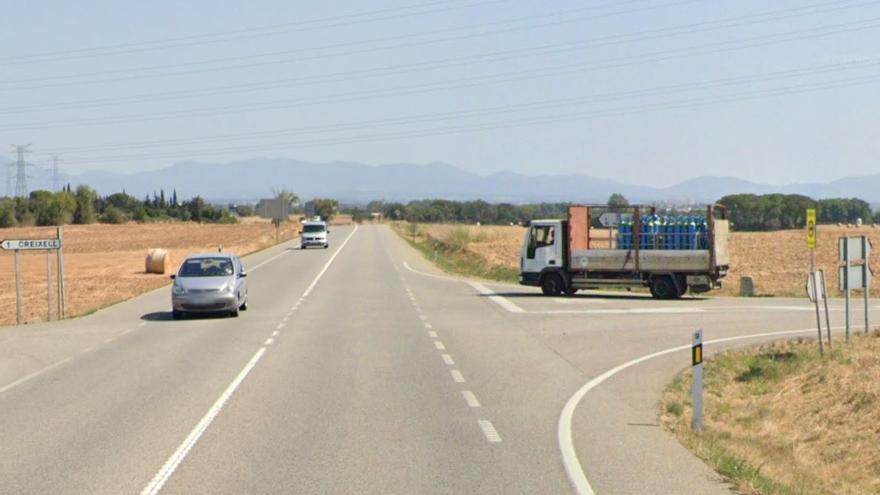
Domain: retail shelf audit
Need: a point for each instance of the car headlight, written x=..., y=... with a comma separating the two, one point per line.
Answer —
x=229, y=289
x=178, y=290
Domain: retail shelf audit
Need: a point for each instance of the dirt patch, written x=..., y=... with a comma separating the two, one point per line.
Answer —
x=104, y=264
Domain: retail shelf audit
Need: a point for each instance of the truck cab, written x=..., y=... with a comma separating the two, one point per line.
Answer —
x=542, y=251
x=596, y=248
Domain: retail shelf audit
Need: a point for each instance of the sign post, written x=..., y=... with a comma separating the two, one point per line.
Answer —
x=19, y=245
x=697, y=386
x=866, y=253
x=814, y=285
x=855, y=272
x=60, y=234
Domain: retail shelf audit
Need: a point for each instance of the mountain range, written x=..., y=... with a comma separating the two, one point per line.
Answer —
x=352, y=182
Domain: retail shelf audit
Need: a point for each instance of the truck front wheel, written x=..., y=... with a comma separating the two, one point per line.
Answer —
x=663, y=287
x=551, y=285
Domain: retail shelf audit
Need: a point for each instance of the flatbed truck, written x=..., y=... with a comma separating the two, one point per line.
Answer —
x=564, y=256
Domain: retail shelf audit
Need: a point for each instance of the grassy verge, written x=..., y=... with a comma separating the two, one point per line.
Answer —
x=450, y=253
x=782, y=420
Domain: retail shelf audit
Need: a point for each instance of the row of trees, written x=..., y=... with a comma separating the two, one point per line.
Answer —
x=445, y=211
x=788, y=211
x=84, y=205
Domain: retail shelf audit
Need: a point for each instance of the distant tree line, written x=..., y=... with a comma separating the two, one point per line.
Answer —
x=752, y=212
x=447, y=211
x=84, y=206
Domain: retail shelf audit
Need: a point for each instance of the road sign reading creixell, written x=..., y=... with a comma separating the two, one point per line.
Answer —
x=27, y=244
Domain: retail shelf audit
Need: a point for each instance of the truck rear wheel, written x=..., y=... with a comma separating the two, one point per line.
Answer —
x=551, y=285
x=663, y=287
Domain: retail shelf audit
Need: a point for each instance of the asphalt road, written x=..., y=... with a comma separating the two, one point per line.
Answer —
x=361, y=369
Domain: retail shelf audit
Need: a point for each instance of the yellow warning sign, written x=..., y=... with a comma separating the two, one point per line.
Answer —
x=811, y=228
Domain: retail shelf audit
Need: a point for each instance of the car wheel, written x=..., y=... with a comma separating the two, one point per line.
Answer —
x=551, y=285
x=234, y=313
x=326, y=246
x=243, y=306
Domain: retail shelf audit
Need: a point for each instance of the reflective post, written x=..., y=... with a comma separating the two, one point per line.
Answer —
x=697, y=386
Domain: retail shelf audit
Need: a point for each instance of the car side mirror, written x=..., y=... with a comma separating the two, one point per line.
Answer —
x=242, y=275
x=173, y=276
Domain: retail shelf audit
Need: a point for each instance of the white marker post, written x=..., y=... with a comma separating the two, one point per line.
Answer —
x=814, y=287
x=697, y=386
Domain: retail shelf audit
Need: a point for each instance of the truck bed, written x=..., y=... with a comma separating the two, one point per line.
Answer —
x=620, y=260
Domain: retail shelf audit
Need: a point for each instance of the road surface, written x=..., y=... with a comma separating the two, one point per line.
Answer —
x=361, y=369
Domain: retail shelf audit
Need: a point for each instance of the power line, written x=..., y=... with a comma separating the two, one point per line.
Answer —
x=247, y=33
x=556, y=20
x=530, y=106
x=656, y=56
x=610, y=40
x=507, y=124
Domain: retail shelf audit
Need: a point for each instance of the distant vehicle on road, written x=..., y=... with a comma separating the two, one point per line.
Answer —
x=315, y=234
x=668, y=254
x=209, y=283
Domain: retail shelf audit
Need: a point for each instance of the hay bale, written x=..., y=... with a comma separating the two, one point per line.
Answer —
x=747, y=287
x=158, y=261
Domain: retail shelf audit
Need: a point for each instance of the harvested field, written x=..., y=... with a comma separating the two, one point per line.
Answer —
x=778, y=261
x=104, y=264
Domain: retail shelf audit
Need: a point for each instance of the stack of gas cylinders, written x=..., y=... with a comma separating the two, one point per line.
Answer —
x=665, y=232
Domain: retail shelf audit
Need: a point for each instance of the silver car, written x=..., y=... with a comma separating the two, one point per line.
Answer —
x=209, y=283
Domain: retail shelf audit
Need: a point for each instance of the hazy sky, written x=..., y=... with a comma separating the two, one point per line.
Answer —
x=650, y=92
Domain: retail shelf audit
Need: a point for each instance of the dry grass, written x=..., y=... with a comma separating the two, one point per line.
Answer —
x=779, y=261
x=780, y=419
x=104, y=264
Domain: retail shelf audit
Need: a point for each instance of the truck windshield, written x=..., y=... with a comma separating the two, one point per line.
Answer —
x=544, y=236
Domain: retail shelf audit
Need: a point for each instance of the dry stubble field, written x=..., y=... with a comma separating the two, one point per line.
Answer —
x=104, y=264
x=779, y=261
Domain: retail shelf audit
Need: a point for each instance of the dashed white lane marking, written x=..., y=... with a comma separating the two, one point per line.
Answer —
x=418, y=309
x=108, y=340
x=632, y=311
x=275, y=333
x=470, y=398
x=189, y=442
x=432, y=334
x=327, y=265
x=495, y=298
x=285, y=319
x=177, y=457
x=489, y=431
x=570, y=460
x=448, y=359
x=428, y=325
x=456, y=376
x=269, y=341
x=34, y=374
x=439, y=345
x=423, y=317
x=87, y=350
x=280, y=326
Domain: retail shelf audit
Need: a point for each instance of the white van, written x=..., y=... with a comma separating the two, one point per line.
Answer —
x=315, y=234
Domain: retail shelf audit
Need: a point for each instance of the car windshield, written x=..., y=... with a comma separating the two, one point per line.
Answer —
x=206, y=267
x=313, y=228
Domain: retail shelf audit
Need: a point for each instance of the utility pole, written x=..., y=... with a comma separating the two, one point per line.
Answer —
x=21, y=189
x=56, y=176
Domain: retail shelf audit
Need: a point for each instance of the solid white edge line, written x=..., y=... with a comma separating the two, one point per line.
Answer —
x=177, y=457
x=499, y=300
x=326, y=266
x=440, y=277
x=38, y=373
x=564, y=432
